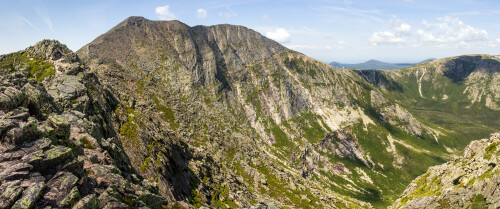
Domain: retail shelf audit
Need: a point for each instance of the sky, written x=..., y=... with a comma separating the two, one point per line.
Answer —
x=347, y=31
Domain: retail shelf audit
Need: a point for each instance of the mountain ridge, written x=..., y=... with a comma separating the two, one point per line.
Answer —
x=221, y=116
x=376, y=64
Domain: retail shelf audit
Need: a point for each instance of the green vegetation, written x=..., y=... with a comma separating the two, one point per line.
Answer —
x=221, y=198
x=281, y=138
x=145, y=164
x=129, y=128
x=490, y=150
x=36, y=68
x=40, y=70
x=86, y=143
x=478, y=202
x=312, y=130
x=168, y=114
x=10, y=61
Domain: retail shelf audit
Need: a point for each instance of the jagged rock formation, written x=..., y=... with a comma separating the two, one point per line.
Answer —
x=470, y=181
x=221, y=116
x=48, y=154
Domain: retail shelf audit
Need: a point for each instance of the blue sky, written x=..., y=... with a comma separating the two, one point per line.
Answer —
x=347, y=31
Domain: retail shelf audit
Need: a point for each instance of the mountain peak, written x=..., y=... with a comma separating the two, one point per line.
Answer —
x=49, y=49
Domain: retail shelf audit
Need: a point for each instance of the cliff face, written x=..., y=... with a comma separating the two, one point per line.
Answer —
x=469, y=181
x=221, y=116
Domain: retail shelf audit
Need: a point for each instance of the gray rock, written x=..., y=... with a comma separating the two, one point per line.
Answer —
x=9, y=195
x=58, y=187
x=11, y=98
x=29, y=196
x=88, y=202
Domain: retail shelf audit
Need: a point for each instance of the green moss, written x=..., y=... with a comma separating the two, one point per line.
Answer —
x=490, y=149
x=167, y=114
x=145, y=164
x=40, y=70
x=280, y=137
x=86, y=143
x=444, y=203
x=478, y=201
x=129, y=128
x=11, y=61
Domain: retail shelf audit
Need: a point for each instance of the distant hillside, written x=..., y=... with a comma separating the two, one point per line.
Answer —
x=375, y=64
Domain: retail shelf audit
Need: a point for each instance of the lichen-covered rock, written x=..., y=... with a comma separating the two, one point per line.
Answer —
x=88, y=202
x=61, y=128
x=59, y=187
x=29, y=196
x=153, y=201
x=71, y=198
x=9, y=195
x=56, y=155
x=11, y=98
x=42, y=157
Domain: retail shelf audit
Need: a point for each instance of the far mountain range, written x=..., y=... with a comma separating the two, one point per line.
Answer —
x=375, y=64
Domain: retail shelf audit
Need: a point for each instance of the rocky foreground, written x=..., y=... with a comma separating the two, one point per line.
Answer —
x=471, y=181
x=48, y=157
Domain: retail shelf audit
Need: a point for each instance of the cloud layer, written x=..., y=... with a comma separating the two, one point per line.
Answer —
x=279, y=35
x=445, y=31
x=164, y=13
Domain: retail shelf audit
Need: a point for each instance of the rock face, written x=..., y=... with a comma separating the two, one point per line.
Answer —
x=47, y=144
x=159, y=114
x=470, y=181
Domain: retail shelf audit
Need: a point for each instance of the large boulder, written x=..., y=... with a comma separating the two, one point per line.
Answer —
x=88, y=202
x=11, y=98
x=29, y=196
x=59, y=187
x=9, y=195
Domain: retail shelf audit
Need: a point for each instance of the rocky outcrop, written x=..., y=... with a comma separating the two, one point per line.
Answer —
x=470, y=181
x=48, y=154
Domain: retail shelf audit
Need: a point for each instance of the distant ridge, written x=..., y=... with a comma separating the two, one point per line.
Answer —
x=375, y=64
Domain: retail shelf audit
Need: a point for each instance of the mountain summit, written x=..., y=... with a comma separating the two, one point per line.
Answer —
x=161, y=114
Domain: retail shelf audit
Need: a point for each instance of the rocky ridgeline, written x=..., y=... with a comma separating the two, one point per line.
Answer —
x=49, y=157
x=471, y=181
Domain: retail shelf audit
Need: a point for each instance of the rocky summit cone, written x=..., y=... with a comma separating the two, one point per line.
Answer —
x=159, y=114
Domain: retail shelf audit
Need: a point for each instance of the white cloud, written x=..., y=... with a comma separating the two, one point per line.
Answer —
x=386, y=37
x=442, y=33
x=279, y=35
x=398, y=33
x=400, y=26
x=201, y=13
x=164, y=13
x=450, y=30
x=498, y=40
